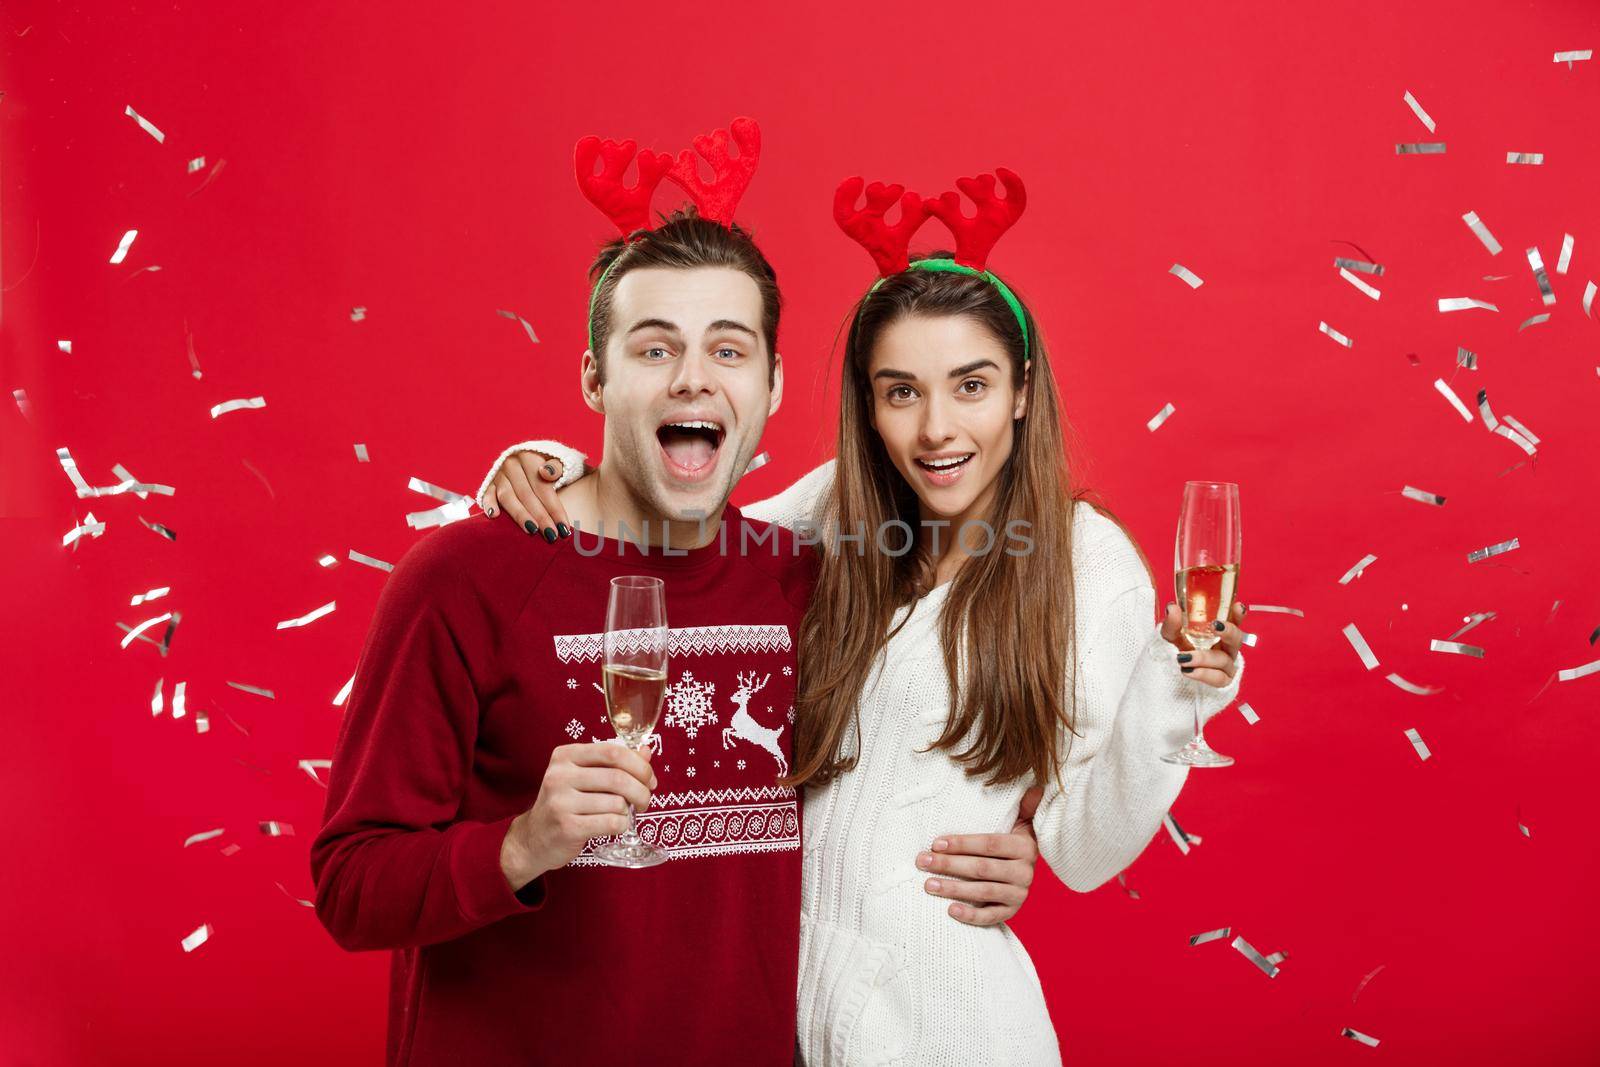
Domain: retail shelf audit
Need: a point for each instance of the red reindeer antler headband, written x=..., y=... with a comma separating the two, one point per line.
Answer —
x=975, y=237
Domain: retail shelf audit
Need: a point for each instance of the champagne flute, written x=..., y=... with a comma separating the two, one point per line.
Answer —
x=1207, y=576
x=635, y=672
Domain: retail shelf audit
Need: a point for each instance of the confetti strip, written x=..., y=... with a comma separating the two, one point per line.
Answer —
x=1532, y=159
x=1249, y=714
x=1360, y=265
x=1357, y=1035
x=1355, y=572
x=1493, y=550
x=1359, y=284
x=1422, y=496
x=1413, y=687
x=1369, y=976
x=122, y=248
x=1588, y=299
x=1570, y=58
x=1335, y=334
x=417, y=485
x=156, y=701
x=1536, y=264
x=64, y=346
x=1193, y=280
x=229, y=849
x=198, y=938
x=237, y=405
x=1359, y=643
x=1247, y=639
x=1180, y=837
x=257, y=690
x=513, y=315
x=298, y=900
x=144, y=124
x=1463, y=303
x=1210, y=935
x=1476, y=225
x=1455, y=646
x=1418, y=744
x=1534, y=320
x=370, y=561
x=197, y=163
x=202, y=723
x=440, y=516
x=1249, y=953
x=154, y=594
x=1416, y=109
x=358, y=314
x=89, y=527
x=194, y=360
x=761, y=460
x=361, y=454
x=1592, y=636
x=308, y=618
x=155, y=527
x=312, y=766
x=142, y=627
x=1566, y=254
x=277, y=829
x=1161, y=416
x=204, y=835
x=180, y=704
x=344, y=692
x=1524, y=830
x=1466, y=358
x=1276, y=610
x=1122, y=880
x=1478, y=617
x=1572, y=674
x=1450, y=395
x=1422, y=148
x=21, y=397
x=1511, y=421
x=130, y=484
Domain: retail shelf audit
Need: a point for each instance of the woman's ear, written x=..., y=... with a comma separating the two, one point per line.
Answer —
x=1021, y=407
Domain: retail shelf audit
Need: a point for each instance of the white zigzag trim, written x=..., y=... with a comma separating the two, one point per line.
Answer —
x=721, y=796
x=682, y=641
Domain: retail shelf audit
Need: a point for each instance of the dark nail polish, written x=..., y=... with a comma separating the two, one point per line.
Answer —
x=1185, y=657
x=549, y=536
x=1186, y=670
x=548, y=469
x=530, y=527
x=1219, y=625
x=563, y=530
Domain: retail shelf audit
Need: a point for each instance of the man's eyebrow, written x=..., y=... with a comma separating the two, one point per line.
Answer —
x=730, y=324
x=654, y=324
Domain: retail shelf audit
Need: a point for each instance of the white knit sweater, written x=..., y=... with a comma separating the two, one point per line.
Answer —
x=886, y=976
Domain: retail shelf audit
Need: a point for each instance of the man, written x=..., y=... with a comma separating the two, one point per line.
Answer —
x=466, y=791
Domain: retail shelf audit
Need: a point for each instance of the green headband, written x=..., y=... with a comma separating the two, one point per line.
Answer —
x=594, y=294
x=950, y=266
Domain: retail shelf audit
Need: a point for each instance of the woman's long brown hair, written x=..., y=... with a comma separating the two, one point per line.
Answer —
x=1007, y=624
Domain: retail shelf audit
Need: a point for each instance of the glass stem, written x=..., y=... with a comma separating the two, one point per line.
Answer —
x=1199, y=727
x=629, y=837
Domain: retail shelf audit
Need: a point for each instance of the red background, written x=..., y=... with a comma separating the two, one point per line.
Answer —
x=420, y=166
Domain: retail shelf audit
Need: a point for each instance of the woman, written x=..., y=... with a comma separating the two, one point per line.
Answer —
x=1011, y=645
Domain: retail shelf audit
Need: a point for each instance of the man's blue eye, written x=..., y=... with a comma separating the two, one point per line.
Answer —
x=650, y=352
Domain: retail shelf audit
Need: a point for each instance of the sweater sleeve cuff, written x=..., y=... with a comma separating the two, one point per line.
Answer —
x=572, y=463
x=482, y=892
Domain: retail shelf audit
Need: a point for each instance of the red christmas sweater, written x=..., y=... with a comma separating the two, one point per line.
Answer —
x=484, y=654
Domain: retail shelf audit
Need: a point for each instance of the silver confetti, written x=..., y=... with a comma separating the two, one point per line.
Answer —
x=1355, y=572
x=370, y=561
x=1463, y=303
x=1179, y=837
x=309, y=617
x=277, y=829
x=1457, y=647
x=361, y=454
x=65, y=346
x=1275, y=609
x=1359, y=643
x=142, y=627
x=202, y=723
x=761, y=460
x=1534, y=320
x=1161, y=416
x=1511, y=421
x=154, y=594
x=1335, y=334
x=443, y=515
x=1247, y=639
x=1360, y=265
x=1369, y=976
x=229, y=849
x=1249, y=953
x=1193, y=280
x=1532, y=159
x=1476, y=618
x=156, y=705
x=1249, y=714
x=257, y=690
x=122, y=249
x=155, y=527
x=1588, y=299
x=298, y=900
x=513, y=315
x=180, y=704
x=89, y=527
x=1210, y=935
x=130, y=484
x=237, y=405
x=1359, y=284
x=1466, y=358
x=1423, y=496
x=1357, y=1035
x=200, y=936
x=1418, y=744
x=1536, y=264
x=144, y=124
x=21, y=397
x=1416, y=109
x=197, y=163
x=1566, y=254
x=358, y=314
x=1450, y=395
x=312, y=766
x=204, y=835
x=1572, y=674
x=1413, y=687
x=1277, y=957
x=417, y=485
x=344, y=692
x=1493, y=550
x=1422, y=148
x=1476, y=225
x=1570, y=58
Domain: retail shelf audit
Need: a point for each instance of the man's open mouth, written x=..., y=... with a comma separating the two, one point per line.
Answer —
x=691, y=445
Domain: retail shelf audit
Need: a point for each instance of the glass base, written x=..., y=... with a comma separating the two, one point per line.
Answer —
x=1198, y=754
x=629, y=854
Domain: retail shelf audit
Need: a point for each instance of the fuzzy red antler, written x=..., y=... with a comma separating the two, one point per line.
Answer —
x=884, y=243
x=976, y=237
x=717, y=198
x=628, y=208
